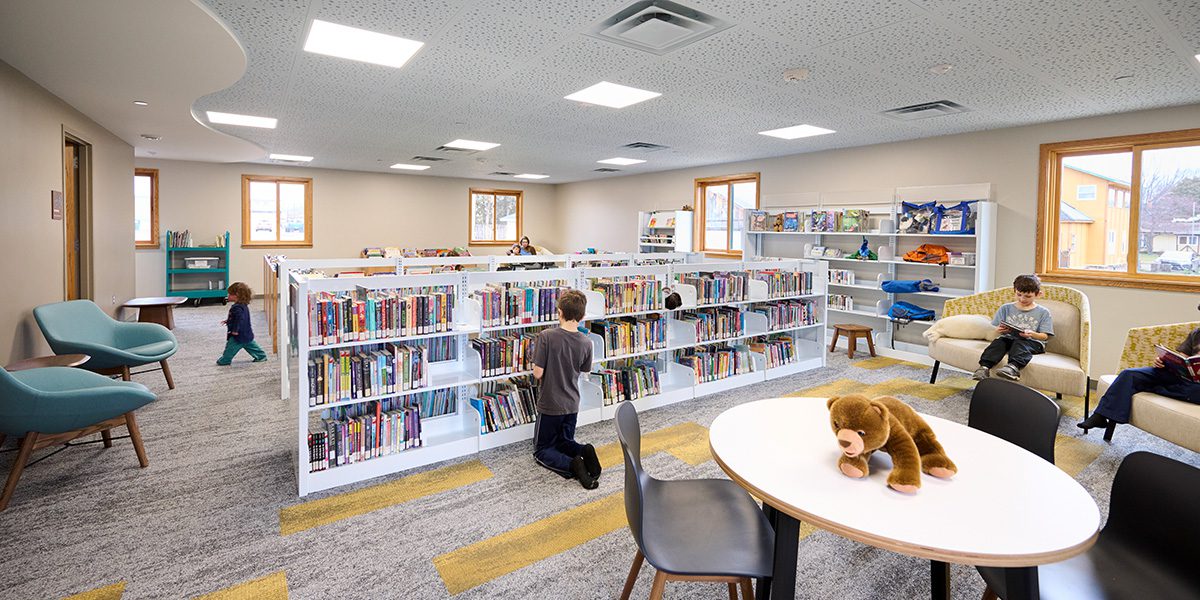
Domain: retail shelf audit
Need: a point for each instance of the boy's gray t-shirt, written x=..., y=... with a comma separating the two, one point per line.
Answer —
x=1035, y=319
x=563, y=355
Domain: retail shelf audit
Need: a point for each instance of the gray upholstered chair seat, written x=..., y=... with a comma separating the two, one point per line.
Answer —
x=705, y=527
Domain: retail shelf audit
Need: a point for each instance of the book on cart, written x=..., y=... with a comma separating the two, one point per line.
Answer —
x=1188, y=367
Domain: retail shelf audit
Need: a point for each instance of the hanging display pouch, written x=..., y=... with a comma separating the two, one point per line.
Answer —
x=955, y=219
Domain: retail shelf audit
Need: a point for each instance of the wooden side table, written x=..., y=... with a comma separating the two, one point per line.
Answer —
x=157, y=309
x=59, y=360
x=852, y=333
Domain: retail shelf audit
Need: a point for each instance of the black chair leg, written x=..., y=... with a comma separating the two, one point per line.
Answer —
x=933, y=375
x=1108, y=431
x=1058, y=396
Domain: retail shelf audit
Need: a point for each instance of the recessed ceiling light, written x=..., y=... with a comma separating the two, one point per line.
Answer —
x=796, y=131
x=405, y=167
x=941, y=69
x=341, y=41
x=470, y=145
x=1198, y=57
x=530, y=176
x=612, y=94
x=243, y=120
x=141, y=103
x=291, y=157
x=620, y=161
x=151, y=137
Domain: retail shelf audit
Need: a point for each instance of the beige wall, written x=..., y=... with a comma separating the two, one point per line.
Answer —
x=351, y=210
x=31, y=165
x=1007, y=158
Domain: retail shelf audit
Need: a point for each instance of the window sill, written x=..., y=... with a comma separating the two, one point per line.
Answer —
x=723, y=254
x=500, y=243
x=277, y=244
x=146, y=246
x=1143, y=281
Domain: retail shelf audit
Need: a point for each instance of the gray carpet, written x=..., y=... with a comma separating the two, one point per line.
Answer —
x=205, y=515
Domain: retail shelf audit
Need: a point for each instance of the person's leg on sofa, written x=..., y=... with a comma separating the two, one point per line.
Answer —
x=1116, y=402
x=1019, y=355
x=992, y=355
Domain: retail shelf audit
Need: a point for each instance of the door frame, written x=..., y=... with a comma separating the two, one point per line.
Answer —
x=84, y=217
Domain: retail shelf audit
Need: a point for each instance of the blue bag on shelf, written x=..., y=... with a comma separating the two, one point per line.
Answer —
x=905, y=312
x=906, y=286
x=955, y=219
x=916, y=218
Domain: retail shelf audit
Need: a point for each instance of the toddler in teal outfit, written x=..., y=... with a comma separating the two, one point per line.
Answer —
x=240, y=334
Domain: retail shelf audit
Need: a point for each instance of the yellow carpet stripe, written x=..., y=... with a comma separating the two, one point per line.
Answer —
x=1073, y=454
x=481, y=562
x=271, y=587
x=315, y=513
x=686, y=441
x=880, y=362
x=108, y=592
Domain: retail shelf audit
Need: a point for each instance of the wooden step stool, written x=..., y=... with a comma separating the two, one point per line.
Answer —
x=852, y=333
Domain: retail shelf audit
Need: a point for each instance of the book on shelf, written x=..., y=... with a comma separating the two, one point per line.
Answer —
x=348, y=374
x=788, y=314
x=631, y=382
x=832, y=252
x=717, y=286
x=791, y=221
x=854, y=220
x=628, y=335
x=718, y=323
x=711, y=363
x=816, y=252
x=506, y=354
x=758, y=220
x=785, y=283
x=1187, y=367
x=519, y=303
x=629, y=294
x=823, y=220
x=779, y=350
x=653, y=221
x=506, y=405
x=362, y=315
x=360, y=432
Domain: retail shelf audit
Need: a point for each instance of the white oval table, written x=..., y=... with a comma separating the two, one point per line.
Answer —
x=1006, y=507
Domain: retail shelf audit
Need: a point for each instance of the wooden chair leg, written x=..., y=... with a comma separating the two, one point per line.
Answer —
x=633, y=573
x=732, y=590
x=14, y=475
x=135, y=435
x=660, y=584
x=106, y=435
x=870, y=343
x=851, y=344
x=125, y=374
x=747, y=589
x=167, y=374
x=833, y=344
x=988, y=594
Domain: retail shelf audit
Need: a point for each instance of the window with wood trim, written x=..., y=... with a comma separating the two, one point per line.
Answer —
x=1141, y=235
x=145, y=208
x=495, y=217
x=722, y=204
x=277, y=211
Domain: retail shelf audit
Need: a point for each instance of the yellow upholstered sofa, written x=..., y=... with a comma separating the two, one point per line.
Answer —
x=1062, y=369
x=1173, y=420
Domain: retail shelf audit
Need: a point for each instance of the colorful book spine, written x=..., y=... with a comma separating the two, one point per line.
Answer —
x=788, y=314
x=715, y=323
x=785, y=283
x=634, y=294
x=506, y=354
x=717, y=287
x=712, y=363
x=629, y=335
x=436, y=403
x=841, y=276
x=778, y=350
x=518, y=304
x=364, y=315
x=356, y=433
x=506, y=405
x=841, y=301
x=628, y=383
x=365, y=372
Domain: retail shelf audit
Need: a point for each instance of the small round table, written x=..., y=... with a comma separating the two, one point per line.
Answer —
x=158, y=309
x=852, y=333
x=58, y=360
x=1006, y=507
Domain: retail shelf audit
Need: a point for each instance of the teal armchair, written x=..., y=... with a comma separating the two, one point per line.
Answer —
x=51, y=406
x=80, y=327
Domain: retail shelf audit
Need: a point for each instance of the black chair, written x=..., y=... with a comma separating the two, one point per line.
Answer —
x=1020, y=415
x=691, y=530
x=1149, y=545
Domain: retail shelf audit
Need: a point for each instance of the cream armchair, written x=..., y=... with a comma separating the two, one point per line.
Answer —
x=1063, y=369
x=1173, y=420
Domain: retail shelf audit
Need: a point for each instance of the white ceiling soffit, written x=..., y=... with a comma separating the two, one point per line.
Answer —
x=101, y=56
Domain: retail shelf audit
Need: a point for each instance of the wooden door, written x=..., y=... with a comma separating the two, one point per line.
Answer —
x=71, y=220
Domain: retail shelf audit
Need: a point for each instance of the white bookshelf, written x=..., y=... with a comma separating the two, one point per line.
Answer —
x=870, y=302
x=665, y=231
x=458, y=433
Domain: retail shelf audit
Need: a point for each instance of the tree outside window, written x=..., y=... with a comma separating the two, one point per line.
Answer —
x=723, y=204
x=495, y=217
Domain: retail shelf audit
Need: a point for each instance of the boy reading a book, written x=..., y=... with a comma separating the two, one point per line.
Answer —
x=1024, y=328
x=560, y=354
x=1159, y=379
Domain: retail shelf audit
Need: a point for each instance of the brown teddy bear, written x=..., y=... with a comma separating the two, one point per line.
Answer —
x=863, y=425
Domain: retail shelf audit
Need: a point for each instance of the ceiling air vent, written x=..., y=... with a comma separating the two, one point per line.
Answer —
x=502, y=173
x=455, y=150
x=925, y=110
x=657, y=26
x=645, y=146
x=607, y=170
x=428, y=159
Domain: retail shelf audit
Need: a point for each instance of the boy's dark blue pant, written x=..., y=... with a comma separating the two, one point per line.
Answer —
x=554, y=443
x=1019, y=350
x=1117, y=401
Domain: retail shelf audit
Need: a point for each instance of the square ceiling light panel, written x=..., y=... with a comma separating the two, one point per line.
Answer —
x=353, y=43
x=620, y=161
x=657, y=26
x=797, y=131
x=223, y=118
x=612, y=95
x=531, y=176
x=405, y=167
x=290, y=157
x=470, y=145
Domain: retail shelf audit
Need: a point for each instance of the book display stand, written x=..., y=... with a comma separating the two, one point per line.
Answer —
x=665, y=231
x=439, y=336
x=196, y=272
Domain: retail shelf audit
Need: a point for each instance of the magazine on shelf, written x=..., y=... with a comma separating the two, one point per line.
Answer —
x=1188, y=367
x=791, y=221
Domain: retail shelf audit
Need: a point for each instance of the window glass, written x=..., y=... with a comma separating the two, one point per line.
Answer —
x=506, y=217
x=745, y=199
x=1169, y=209
x=716, y=217
x=1095, y=228
x=263, y=218
x=495, y=217
x=276, y=211
x=1085, y=192
x=143, y=214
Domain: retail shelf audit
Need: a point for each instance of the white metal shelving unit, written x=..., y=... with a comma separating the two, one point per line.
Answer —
x=871, y=303
x=458, y=433
x=665, y=231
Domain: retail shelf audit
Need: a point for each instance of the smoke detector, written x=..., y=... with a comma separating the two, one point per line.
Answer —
x=941, y=69
x=799, y=74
